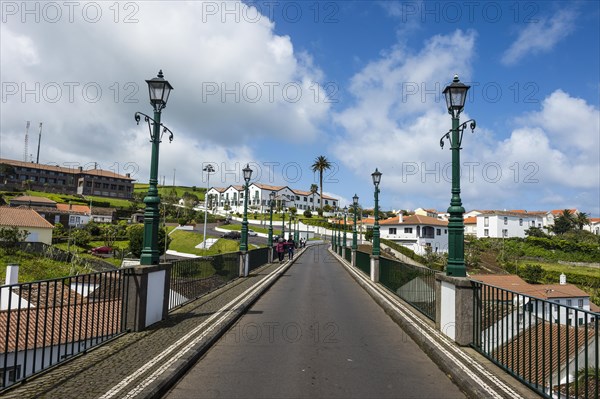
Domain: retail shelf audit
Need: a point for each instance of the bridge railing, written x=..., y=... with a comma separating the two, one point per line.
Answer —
x=414, y=284
x=348, y=254
x=192, y=278
x=258, y=258
x=44, y=323
x=363, y=262
x=551, y=347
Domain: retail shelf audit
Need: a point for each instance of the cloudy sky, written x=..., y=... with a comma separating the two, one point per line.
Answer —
x=276, y=84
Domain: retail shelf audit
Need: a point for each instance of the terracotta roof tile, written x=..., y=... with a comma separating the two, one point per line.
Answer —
x=22, y=217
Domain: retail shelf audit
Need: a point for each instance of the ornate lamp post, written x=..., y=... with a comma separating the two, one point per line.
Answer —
x=244, y=239
x=376, y=179
x=159, y=90
x=208, y=169
x=456, y=94
x=290, y=224
x=355, y=204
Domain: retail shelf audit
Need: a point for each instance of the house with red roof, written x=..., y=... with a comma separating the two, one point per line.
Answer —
x=39, y=229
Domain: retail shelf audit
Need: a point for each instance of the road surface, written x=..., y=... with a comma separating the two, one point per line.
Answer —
x=315, y=334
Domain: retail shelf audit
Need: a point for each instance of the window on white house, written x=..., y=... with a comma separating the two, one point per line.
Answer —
x=505, y=220
x=392, y=230
x=486, y=232
x=520, y=222
x=486, y=221
x=569, y=302
x=438, y=232
x=408, y=230
x=580, y=303
x=504, y=233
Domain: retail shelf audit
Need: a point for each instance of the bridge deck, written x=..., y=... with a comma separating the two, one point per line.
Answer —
x=314, y=333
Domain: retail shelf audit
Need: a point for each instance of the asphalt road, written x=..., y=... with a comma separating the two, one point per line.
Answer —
x=315, y=334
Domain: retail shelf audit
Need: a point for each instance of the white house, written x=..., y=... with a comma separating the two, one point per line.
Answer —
x=498, y=224
x=416, y=232
x=232, y=198
x=593, y=226
x=40, y=230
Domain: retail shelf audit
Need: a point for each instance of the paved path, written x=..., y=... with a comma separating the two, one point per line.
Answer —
x=315, y=334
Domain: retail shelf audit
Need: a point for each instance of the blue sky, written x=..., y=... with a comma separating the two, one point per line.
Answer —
x=277, y=84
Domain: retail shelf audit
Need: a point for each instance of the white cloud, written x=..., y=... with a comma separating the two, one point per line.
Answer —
x=553, y=152
x=235, y=82
x=540, y=36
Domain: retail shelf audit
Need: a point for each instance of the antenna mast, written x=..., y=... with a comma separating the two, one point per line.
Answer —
x=25, y=151
x=39, y=141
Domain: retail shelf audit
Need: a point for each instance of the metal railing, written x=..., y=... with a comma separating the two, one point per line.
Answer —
x=414, y=284
x=348, y=254
x=192, y=278
x=258, y=257
x=363, y=262
x=47, y=322
x=551, y=347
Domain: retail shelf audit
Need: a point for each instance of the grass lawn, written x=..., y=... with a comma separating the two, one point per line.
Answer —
x=558, y=267
x=165, y=190
x=32, y=267
x=186, y=241
x=65, y=198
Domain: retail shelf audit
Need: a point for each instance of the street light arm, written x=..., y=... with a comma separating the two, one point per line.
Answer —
x=147, y=119
x=472, y=124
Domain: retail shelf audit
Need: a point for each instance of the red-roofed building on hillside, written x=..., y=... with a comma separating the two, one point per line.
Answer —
x=39, y=229
x=564, y=297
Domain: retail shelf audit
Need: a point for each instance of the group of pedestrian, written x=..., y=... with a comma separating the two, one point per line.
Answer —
x=284, y=246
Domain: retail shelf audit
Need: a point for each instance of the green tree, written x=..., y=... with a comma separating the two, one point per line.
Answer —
x=581, y=219
x=531, y=273
x=11, y=236
x=109, y=233
x=307, y=213
x=564, y=222
x=81, y=237
x=535, y=232
x=320, y=165
x=135, y=234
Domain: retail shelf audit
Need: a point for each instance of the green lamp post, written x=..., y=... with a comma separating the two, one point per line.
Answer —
x=290, y=231
x=283, y=219
x=345, y=242
x=355, y=204
x=271, y=204
x=244, y=239
x=376, y=180
x=456, y=94
x=159, y=90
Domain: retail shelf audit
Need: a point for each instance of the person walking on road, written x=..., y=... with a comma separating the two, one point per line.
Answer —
x=291, y=245
x=280, y=249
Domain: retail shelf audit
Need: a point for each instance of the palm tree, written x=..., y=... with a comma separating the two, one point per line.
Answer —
x=313, y=190
x=582, y=219
x=320, y=165
x=564, y=222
